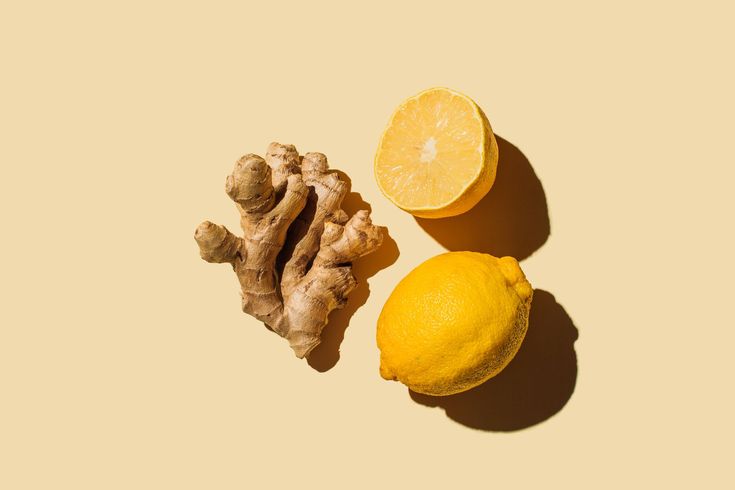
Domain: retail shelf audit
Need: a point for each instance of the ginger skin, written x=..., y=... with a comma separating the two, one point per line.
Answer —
x=294, y=258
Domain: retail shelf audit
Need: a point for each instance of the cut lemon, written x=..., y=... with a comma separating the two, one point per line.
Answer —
x=438, y=156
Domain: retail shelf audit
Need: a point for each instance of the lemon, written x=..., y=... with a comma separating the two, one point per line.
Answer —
x=453, y=322
x=438, y=156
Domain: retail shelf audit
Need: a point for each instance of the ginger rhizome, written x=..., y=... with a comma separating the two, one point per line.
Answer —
x=294, y=258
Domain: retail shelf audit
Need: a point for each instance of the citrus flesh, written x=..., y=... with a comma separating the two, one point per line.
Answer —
x=454, y=322
x=438, y=156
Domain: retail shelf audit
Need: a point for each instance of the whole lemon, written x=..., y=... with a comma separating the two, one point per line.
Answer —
x=453, y=322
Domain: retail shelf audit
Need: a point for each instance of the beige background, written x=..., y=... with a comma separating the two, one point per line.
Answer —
x=125, y=361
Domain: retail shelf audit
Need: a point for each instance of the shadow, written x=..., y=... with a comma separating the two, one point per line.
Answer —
x=326, y=354
x=536, y=384
x=512, y=219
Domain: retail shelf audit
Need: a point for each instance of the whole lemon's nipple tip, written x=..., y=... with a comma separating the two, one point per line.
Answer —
x=524, y=290
x=386, y=374
x=515, y=277
x=511, y=270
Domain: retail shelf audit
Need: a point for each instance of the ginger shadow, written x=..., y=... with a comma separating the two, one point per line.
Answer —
x=512, y=219
x=536, y=384
x=326, y=354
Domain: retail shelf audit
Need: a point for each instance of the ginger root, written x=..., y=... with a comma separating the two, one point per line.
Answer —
x=294, y=258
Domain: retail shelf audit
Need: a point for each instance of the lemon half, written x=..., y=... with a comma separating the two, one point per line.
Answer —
x=438, y=156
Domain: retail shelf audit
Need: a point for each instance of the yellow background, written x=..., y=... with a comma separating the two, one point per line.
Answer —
x=125, y=361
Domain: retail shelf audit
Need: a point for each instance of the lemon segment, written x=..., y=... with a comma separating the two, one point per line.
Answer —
x=438, y=156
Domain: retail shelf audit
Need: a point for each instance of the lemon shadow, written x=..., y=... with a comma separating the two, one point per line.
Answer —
x=512, y=219
x=326, y=354
x=536, y=384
